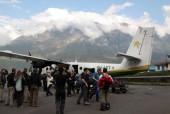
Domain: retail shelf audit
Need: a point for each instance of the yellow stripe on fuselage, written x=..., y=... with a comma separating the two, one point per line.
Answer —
x=130, y=69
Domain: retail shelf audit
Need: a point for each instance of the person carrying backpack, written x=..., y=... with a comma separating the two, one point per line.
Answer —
x=105, y=82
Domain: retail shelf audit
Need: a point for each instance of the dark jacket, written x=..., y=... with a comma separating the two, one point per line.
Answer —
x=85, y=77
x=60, y=80
x=2, y=79
x=10, y=80
x=26, y=78
x=35, y=79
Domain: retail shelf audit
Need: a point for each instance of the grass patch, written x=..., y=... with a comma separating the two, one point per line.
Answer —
x=155, y=73
x=149, y=83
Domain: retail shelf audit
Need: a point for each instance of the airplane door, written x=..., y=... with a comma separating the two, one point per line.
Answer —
x=75, y=68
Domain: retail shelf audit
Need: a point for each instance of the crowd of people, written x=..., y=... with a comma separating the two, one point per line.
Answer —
x=23, y=86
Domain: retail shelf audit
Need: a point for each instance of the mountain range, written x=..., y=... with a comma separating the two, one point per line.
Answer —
x=71, y=44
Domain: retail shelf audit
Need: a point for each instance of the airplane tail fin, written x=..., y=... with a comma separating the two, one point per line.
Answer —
x=138, y=55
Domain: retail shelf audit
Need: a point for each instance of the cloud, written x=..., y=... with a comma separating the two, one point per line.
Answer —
x=9, y=30
x=10, y=1
x=115, y=8
x=164, y=29
x=166, y=10
x=91, y=24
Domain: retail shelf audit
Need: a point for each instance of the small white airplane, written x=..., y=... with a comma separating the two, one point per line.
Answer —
x=136, y=59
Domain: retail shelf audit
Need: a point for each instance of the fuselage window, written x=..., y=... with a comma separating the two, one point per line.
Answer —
x=81, y=68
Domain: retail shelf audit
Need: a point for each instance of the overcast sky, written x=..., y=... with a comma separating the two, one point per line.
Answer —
x=92, y=17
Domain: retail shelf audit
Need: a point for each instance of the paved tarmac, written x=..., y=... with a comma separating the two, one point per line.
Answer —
x=138, y=100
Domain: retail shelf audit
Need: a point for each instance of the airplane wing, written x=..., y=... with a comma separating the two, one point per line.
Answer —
x=37, y=62
x=127, y=56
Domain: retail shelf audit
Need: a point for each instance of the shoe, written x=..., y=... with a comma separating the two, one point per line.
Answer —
x=12, y=105
x=68, y=95
x=35, y=106
x=86, y=103
x=78, y=102
x=1, y=101
x=61, y=112
x=19, y=106
x=98, y=100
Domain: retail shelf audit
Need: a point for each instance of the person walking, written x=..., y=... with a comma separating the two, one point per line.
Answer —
x=60, y=79
x=49, y=83
x=104, y=84
x=84, y=87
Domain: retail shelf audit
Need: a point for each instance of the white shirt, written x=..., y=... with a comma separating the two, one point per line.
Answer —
x=18, y=85
x=49, y=79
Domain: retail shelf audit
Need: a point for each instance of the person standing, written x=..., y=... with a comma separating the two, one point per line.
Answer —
x=104, y=84
x=60, y=79
x=91, y=85
x=10, y=85
x=96, y=79
x=44, y=79
x=19, y=87
x=27, y=81
x=3, y=73
x=49, y=83
x=35, y=83
x=69, y=81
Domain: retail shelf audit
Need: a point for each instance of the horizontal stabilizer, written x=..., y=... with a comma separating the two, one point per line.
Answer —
x=129, y=57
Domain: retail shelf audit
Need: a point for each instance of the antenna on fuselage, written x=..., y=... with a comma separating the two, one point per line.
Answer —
x=29, y=53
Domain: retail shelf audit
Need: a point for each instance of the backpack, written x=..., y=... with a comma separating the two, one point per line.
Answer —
x=78, y=80
x=106, y=82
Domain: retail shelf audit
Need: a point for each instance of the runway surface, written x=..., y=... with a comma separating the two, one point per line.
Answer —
x=138, y=100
